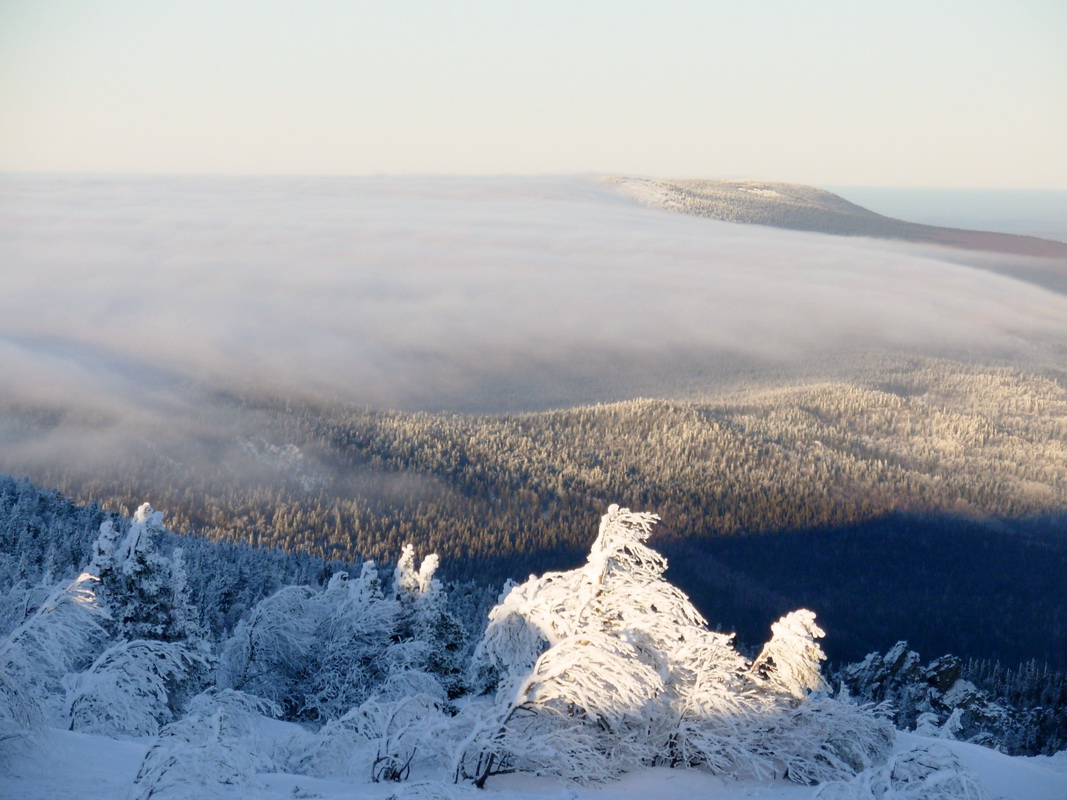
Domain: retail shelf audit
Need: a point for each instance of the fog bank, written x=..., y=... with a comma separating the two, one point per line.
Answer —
x=120, y=295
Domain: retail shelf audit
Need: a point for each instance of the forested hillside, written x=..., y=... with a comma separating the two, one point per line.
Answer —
x=802, y=492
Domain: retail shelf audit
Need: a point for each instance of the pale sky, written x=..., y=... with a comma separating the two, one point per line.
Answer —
x=962, y=93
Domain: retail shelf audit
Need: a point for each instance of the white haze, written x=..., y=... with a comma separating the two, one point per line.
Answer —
x=124, y=296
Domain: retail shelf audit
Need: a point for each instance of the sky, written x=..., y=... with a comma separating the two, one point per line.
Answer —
x=940, y=93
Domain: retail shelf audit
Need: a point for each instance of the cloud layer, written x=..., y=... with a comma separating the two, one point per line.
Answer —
x=120, y=294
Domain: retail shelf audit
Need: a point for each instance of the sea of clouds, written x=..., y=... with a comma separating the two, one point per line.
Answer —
x=131, y=295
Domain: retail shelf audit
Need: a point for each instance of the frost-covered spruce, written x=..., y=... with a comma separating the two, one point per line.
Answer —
x=131, y=597
x=145, y=589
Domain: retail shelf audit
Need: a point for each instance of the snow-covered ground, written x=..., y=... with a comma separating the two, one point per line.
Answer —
x=74, y=765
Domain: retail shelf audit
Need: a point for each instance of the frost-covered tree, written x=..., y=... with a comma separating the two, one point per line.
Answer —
x=789, y=662
x=144, y=588
x=617, y=658
x=272, y=650
x=158, y=658
x=21, y=720
x=321, y=652
x=61, y=636
x=359, y=643
x=603, y=646
x=425, y=618
x=133, y=688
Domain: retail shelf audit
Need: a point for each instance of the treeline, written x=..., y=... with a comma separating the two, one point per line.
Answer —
x=933, y=445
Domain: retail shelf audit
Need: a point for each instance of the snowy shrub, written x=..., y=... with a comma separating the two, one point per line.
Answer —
x=824, y=739
x=383, y=738
x=411, y=682
x=21, y=720
x=924, y=773
x=194, y=756
x=541, y=743
x=402, y=730
x=135, y=687
x=214, y=747
x=242, y=708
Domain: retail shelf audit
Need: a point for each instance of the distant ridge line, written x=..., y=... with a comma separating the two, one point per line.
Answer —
x=805, y=208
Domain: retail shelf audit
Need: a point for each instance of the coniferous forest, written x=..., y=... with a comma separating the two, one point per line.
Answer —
x=937, y=484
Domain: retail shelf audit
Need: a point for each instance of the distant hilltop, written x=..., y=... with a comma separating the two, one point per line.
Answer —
x=805, y=208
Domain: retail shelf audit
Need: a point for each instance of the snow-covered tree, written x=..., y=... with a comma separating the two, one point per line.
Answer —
x=21, y=720
x=412, y=582
x=271, y=651
x=357, y=634
x=144, y=588
x=158, y=658
x=789, y=662
x=599, y=646
x=425, y=618
x=61, y=636
x=133, y=688
x=319, y=653
x=614, y=656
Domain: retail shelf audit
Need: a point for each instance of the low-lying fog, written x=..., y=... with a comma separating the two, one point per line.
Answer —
x=125, y=298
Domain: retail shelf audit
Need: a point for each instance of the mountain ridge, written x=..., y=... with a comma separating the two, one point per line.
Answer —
x=801, y=207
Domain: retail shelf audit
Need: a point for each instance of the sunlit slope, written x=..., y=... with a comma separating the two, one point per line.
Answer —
x=806, y=208
x=931, y=438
